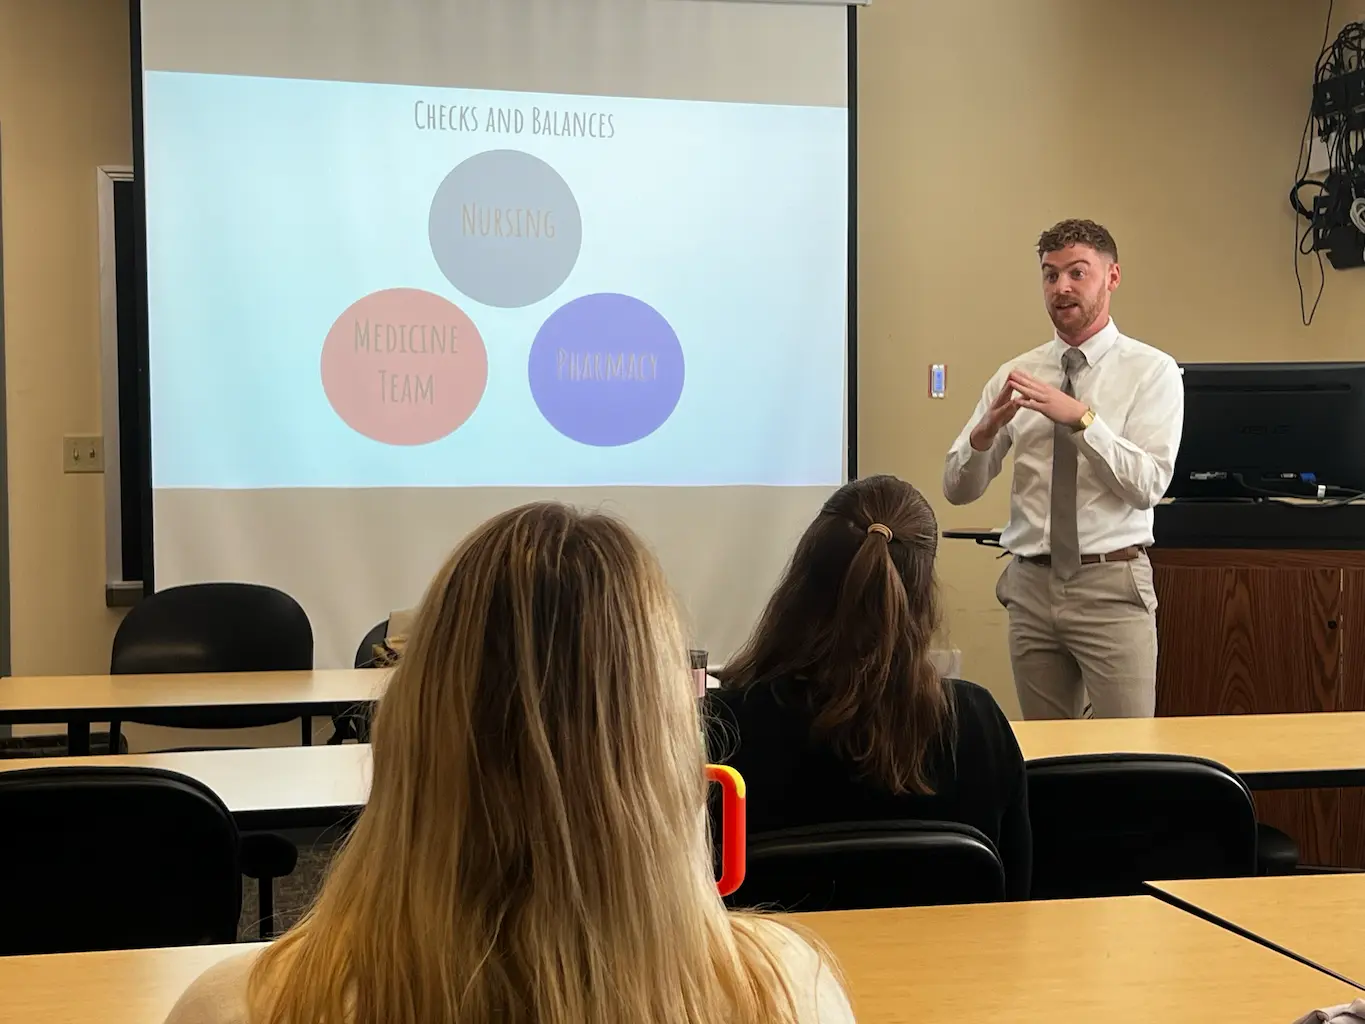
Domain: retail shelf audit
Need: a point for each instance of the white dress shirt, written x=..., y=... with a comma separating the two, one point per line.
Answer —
x=1138, y=398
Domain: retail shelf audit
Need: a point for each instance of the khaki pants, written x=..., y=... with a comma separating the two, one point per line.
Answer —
x=1094, y=635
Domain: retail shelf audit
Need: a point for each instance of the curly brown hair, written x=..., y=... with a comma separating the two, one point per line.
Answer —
x=1078, y=232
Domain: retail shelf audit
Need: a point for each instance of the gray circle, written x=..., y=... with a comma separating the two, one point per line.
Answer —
x=505, y=228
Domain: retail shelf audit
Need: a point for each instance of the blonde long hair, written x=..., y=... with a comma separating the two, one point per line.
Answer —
x=534, y=848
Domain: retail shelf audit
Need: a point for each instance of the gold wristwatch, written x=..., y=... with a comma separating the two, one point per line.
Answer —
x=1087, y=418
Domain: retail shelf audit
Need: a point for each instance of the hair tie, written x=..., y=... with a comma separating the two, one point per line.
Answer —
x=885, y=531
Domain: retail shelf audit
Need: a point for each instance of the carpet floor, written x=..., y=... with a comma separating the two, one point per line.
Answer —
x=293, y=893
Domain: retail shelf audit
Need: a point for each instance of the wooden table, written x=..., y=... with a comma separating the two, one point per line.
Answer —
x=80, y=700
x=280, y=787
x=264, y=787
x=1268, y=751
x=137, y=986
x=1120, y=961
x=1315, y=917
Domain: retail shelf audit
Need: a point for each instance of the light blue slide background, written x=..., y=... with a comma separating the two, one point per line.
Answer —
x=273, y=204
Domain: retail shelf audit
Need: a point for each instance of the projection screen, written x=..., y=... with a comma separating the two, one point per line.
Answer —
x=412, y=263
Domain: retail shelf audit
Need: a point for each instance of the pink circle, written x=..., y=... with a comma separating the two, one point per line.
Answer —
x=404, y=366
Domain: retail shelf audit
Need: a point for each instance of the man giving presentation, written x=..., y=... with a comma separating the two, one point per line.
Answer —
x=1093, y=418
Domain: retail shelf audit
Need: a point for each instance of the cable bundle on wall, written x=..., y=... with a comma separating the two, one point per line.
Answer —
x=1336, y=213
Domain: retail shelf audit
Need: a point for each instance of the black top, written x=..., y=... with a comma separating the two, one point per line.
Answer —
x=764, y=732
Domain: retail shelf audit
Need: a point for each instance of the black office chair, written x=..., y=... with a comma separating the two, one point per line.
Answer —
x=171, y=878
x=871, y=864
x=355, y=725
x=372, y=650
x=221, y=627
x=1276, y=852
x=1104, y=824
x=214, y=627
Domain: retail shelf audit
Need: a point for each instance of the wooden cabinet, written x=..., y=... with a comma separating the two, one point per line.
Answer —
x=1352, y=641
x=1264, y=632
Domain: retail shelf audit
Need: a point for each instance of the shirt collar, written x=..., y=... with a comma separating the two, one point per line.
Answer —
x=1093, y=348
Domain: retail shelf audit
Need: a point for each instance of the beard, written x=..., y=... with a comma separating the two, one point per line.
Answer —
x=1075, y=319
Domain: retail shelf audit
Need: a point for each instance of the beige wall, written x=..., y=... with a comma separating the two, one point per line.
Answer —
x=64, y=110
x=1174, y=122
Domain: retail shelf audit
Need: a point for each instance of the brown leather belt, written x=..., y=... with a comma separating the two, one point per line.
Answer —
x=1128, y=554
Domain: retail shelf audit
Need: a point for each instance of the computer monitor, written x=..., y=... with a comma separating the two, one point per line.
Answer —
x=1264, y=429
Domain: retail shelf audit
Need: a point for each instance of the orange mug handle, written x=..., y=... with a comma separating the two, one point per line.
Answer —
x=732, y=826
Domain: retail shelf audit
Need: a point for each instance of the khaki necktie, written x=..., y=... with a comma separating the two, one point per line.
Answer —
x=1066, y=545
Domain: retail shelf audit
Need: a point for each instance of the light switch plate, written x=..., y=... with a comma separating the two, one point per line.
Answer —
x=83, y=454
x=938, y=380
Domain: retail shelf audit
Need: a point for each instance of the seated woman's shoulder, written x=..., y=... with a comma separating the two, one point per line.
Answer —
x=760, y=697
x=218, y=996
x=815, y=985
x=976, y=694
x=975, y=701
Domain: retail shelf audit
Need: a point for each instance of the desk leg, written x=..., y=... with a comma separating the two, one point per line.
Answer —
x=78, y=738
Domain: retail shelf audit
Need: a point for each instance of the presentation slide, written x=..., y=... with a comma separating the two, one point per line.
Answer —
x=361, y=285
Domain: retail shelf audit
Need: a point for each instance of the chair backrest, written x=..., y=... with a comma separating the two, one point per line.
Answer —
x=1104, y=824
x=169, y=876
x=365, y=656
x=865, y=865
x=214, y=627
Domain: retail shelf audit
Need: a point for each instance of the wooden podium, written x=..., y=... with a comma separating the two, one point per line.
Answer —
x=1262, y=611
